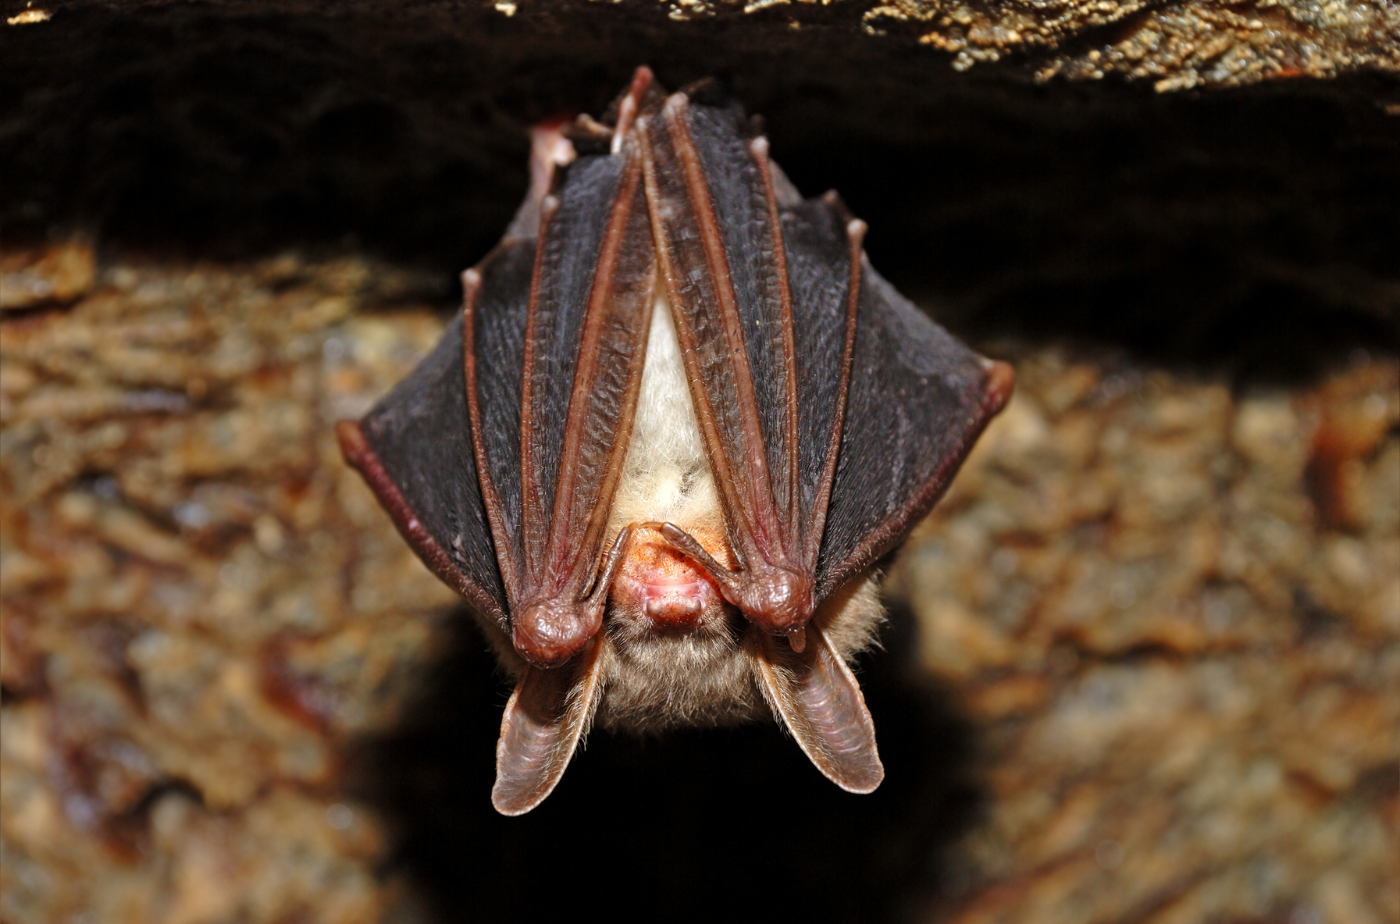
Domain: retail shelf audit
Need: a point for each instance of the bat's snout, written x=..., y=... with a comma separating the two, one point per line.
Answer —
x=669, y=604
x=663, y=587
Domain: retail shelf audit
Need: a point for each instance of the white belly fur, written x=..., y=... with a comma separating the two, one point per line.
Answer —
x=667, y=475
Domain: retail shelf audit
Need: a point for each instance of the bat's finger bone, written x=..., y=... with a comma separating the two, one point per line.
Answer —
x=617, y=554
x=687, y=545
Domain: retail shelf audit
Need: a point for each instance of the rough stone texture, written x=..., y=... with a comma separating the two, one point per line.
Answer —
x=1141, y=662
x=193, y=619
x=1175, y=609
x=1175, y=45
x=1150, y=675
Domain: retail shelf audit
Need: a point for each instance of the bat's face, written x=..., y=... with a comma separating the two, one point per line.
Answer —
x=677, y=653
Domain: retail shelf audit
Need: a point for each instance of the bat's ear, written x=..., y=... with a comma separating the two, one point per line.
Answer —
x=543, y=722
x=820, y=702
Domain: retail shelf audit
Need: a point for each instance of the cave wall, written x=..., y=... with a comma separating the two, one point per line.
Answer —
x=1141, y=661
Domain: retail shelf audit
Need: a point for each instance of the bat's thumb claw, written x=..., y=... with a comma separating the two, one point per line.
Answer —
x=778, y=600
x=798, y=640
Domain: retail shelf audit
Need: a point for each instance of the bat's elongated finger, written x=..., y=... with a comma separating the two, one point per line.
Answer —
x=627, y=108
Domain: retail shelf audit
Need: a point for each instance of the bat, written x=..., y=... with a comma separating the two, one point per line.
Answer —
x=661, y=450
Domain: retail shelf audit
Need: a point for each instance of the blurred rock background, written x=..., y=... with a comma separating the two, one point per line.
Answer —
x=1142, y=661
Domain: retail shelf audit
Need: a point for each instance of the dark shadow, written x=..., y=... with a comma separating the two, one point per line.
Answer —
x=702, y=825
x=1254, y=224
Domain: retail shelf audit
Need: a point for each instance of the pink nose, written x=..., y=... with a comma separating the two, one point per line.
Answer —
x=674, y=605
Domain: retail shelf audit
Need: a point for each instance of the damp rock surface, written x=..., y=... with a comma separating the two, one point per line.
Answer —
x=1158, y=612
x=1174, y=607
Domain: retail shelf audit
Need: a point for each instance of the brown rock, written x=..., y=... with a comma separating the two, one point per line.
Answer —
x=1181, y=673
x=1158, y=615
x=52, y=274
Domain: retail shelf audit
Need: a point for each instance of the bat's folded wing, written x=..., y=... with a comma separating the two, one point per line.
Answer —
x=414, y=449
x=917, y=401
x=904, y=402
x=554, y=351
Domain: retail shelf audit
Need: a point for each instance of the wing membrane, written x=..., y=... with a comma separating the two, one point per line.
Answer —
x=497, y=299
x=414, y=448
x=697, y=268
x=918, y=400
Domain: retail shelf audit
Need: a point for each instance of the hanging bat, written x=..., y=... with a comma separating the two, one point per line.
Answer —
x=662, y=448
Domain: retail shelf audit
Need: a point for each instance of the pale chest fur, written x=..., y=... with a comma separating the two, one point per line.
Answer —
x=667, y=476
x=657, y=675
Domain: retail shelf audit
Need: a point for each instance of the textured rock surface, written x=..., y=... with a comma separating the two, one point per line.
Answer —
x=1182, y=643
x=1176, y=45
x=1141, y=662
x=1157, y=622
x=193, y=619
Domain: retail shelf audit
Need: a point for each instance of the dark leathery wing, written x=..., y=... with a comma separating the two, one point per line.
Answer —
x=832, y=413
x=504, y=485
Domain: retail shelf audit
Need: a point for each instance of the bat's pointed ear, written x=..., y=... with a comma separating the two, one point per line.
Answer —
x=547, y=715
x=820, y=702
